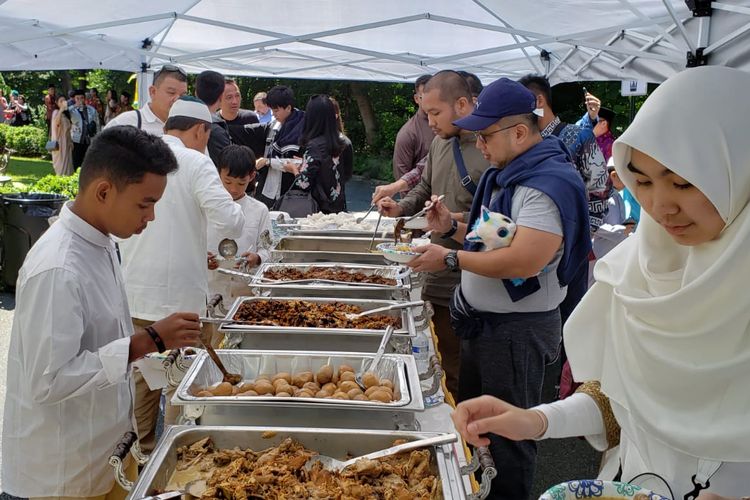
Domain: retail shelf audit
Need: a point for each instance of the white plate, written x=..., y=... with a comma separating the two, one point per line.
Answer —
x=595, y=488
x=417, y=223
x=401, y=256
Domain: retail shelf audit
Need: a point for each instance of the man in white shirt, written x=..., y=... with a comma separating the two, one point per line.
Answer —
x=72, y=342
x=237, y=170
x=170, y=83
x=165, y=267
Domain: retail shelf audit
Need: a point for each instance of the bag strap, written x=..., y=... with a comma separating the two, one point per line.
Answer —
x=466, y=181
x=140, y=121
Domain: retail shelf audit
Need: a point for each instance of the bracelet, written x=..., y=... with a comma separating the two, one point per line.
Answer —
x=160, y=347
x=451, y=231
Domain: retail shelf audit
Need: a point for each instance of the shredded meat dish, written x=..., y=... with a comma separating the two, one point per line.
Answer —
x=279, y=473
x=326, y=273
x=302, y=313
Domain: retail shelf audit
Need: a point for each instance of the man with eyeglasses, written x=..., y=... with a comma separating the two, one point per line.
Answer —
x=170, y=83
x=410, y=150
x=506, y=310
x=454, y=167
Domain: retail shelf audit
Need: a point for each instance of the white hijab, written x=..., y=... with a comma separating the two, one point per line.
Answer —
x=666, y=327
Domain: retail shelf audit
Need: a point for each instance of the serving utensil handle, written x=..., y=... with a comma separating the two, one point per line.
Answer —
x=122, y=448
x=481, y=458
x=411, y=445
x=381, y=348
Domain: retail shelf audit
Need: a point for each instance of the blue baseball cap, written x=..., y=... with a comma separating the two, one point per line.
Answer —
x=499, y=99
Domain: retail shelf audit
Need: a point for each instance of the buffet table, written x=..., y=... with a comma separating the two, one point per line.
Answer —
x=425, y=409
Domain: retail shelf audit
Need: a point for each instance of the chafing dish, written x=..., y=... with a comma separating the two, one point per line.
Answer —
x=398, y=291
x=337, y=443
x=300, y=230
x=258, y=410
x=326, y=249
x=318, y=339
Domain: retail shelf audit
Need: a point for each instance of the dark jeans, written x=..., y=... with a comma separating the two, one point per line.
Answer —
x=507, y=360
x=79, y=151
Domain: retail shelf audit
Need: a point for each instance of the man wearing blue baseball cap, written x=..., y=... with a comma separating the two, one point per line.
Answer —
x=506, y=309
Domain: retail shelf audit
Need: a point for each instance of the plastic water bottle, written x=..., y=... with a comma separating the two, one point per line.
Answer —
x=420, y=347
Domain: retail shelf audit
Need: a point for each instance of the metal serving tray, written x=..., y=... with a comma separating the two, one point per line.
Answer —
x=319, y=339
x=326, y=249
x=399, y=291
x=337, y=443
x=299, y=230
x=260, y=410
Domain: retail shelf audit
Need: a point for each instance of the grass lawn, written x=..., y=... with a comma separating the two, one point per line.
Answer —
x=26, y=171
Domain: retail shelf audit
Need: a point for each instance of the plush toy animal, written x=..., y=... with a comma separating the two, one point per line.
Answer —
x=493, y=229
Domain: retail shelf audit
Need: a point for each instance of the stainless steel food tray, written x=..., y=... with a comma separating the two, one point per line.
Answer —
x=407, y=318
x=337, y=443
x=326, y=249
x=259, y=410
x=319, y=339
x=399, y=291
x=299, y=230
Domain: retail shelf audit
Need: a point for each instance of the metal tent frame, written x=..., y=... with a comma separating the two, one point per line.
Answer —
x=642, y=39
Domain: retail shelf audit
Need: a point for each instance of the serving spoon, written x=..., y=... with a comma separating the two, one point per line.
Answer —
x=401, y=305
x=332, y=464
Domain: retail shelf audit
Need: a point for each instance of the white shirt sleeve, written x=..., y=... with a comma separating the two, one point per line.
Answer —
x=221, y=211
x=263, y=225
x=577, y=415
x=53, y=326
x=278, y=163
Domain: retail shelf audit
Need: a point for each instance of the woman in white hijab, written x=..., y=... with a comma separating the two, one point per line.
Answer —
x=665, y=330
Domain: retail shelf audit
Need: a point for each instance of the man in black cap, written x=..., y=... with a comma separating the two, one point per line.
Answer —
x=506, y=310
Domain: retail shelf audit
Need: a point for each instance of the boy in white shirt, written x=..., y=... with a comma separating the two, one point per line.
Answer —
x=237, y=170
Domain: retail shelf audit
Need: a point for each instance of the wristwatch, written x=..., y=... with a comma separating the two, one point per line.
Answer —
x=454, y=227
x=451, y=260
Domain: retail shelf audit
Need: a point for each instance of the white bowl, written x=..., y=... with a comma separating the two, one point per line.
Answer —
x=395, y=252
x=595, y=488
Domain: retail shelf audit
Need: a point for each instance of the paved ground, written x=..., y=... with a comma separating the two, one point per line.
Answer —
x=559, y=460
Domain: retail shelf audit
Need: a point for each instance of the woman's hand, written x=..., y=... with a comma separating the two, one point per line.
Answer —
x=261, y=163
x=291, y=167
x=486, y=414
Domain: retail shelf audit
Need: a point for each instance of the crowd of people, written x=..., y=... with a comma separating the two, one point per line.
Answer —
x=659, y=346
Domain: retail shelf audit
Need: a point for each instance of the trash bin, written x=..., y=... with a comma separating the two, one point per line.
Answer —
x=24, y=220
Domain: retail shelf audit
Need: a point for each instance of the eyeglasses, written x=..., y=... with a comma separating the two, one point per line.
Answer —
x=170, y=68
x=482, y=137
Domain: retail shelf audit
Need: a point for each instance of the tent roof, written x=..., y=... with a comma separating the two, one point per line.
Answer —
x=385, y=40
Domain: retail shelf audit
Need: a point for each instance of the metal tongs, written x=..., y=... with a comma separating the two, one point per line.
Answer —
x=375, y=232
x=427, y=206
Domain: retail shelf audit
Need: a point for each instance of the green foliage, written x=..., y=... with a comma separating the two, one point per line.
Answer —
x=38, y=117
x=568, y=101
x=26, y=140
x=65, y=185
x=105, y=79
x=374, y=166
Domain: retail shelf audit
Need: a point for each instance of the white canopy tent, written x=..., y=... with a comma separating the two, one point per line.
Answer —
x=382, y=40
